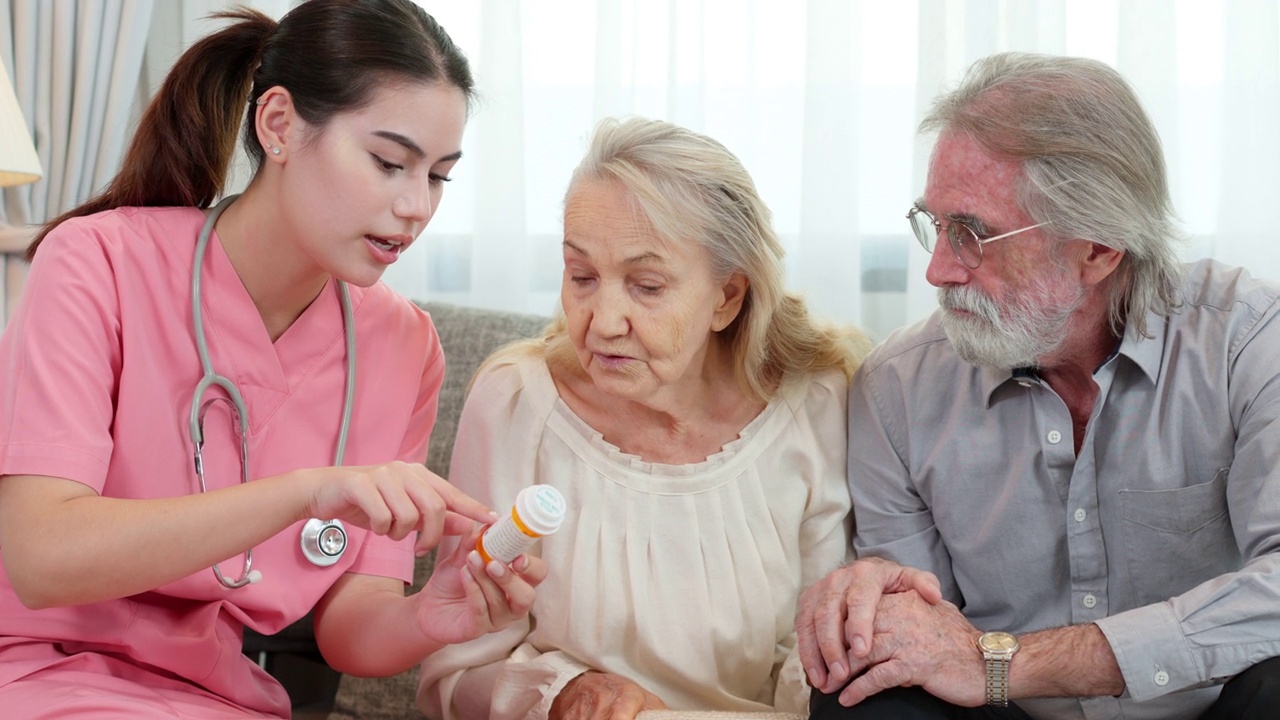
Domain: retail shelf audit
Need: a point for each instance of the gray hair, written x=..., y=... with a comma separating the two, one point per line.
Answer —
x=1092, y=163
x=691, y=188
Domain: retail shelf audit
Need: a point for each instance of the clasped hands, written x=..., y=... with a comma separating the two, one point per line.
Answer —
x=883, y=626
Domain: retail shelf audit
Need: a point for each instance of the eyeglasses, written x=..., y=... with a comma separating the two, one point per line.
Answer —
x=964, y=239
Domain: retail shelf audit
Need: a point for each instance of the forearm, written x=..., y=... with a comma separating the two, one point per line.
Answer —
x=109, y=547
x=1074, y=661
x=367, y=627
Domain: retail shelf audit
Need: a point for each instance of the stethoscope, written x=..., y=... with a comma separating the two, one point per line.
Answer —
x=323, y=541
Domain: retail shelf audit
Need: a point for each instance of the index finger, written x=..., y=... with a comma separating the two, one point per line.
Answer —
x=923, y=582
x=458, y=501
x=455, y=524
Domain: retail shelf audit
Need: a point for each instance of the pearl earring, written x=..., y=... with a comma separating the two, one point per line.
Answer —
x=274, y=150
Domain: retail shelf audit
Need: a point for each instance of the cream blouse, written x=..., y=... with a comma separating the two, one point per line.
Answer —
x=683, y=578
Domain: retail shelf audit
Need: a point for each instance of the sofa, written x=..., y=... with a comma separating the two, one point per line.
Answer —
x=468, y=335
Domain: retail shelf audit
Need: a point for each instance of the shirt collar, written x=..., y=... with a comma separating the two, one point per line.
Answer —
x=992, y=379
x=1145, y=352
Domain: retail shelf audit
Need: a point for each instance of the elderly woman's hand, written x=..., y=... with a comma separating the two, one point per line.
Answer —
x=602, y=696
x=464, y=598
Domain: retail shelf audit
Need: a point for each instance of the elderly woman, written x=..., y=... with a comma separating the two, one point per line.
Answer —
x=693, y=416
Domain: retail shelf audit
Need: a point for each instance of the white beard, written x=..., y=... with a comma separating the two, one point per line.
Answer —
x=1028, y=326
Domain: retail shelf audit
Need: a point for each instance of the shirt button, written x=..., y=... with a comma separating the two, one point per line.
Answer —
x=1054, y=437
x=1161, y=678
x=1090, y=602
x=1079, y=515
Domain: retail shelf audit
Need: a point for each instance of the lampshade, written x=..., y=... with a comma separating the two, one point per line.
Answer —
x=18, y=161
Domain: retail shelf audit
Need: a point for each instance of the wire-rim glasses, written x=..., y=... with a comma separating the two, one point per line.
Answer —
x=965, y=242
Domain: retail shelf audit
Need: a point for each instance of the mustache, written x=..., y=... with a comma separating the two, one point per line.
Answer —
x=971, y=300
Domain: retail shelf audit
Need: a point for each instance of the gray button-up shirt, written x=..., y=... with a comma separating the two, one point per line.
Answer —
x=1164, y=530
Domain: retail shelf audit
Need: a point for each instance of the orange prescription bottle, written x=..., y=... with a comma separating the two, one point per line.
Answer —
x=538, y=511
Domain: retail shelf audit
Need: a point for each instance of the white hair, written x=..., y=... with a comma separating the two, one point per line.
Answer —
x=1092, y=163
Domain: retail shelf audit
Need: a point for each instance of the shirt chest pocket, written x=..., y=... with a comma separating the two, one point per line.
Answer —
x=1176, y=539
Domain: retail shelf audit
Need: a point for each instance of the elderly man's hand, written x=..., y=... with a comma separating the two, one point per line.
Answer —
x=835, y=615
x=926, y=644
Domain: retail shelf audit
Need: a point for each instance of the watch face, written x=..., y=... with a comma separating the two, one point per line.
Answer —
x=1000, y=642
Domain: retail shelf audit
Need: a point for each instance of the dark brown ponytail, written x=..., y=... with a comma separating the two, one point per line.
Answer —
x=182, y=148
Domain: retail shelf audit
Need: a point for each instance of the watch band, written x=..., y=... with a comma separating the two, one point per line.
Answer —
x=998, y=679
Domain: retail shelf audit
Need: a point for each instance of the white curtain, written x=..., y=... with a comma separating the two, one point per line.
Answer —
x=819, y=98
x=75, y=66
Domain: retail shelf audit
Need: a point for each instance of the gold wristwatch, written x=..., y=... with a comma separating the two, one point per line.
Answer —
x=997, y=649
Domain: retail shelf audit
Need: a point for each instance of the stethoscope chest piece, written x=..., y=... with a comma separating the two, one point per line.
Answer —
x=323, y=541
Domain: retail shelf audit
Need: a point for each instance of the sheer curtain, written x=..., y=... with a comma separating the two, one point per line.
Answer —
x=74, y=66
x=820, y=100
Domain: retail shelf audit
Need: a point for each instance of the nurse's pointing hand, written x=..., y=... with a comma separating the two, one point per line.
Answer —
x=394, y=499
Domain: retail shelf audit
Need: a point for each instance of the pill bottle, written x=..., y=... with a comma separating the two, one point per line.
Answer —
x=538, y=511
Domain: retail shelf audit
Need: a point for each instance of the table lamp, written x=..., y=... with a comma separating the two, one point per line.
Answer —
x=18, y=161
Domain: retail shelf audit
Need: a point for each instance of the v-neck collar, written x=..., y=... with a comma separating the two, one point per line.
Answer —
x=242, y=349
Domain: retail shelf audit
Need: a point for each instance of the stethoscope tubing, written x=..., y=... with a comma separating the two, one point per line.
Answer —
x=210, y=378
x=318, y=555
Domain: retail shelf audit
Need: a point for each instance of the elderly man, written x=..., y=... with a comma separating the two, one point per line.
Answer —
x=1065, y=480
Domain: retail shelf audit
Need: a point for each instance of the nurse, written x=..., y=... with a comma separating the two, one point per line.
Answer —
x=110, y=605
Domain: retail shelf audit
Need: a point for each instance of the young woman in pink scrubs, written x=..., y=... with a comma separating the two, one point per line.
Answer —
x=108, y=603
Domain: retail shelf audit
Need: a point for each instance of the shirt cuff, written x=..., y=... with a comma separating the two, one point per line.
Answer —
x=1152, y=653
x=530, y=682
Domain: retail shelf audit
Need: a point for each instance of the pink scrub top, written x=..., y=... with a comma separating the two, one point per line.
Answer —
x=99, y=365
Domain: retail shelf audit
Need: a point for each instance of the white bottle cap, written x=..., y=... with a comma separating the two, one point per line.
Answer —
x=541, y=508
